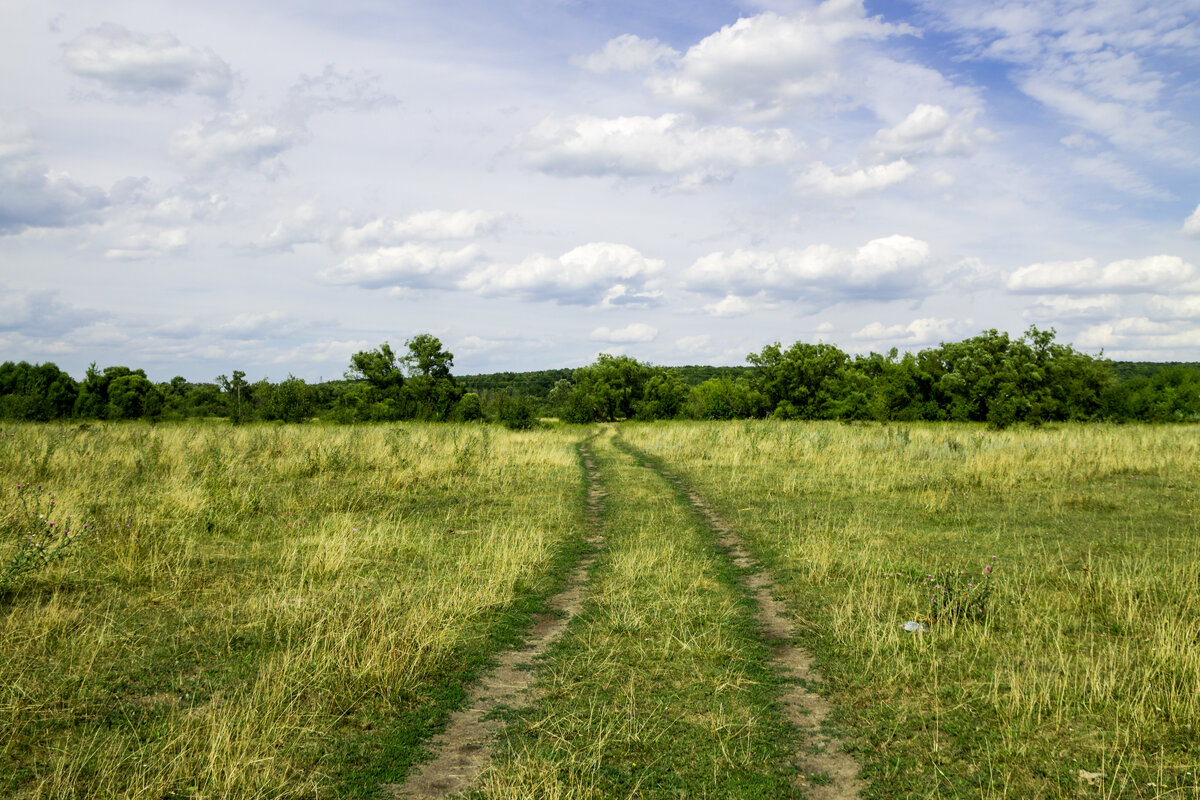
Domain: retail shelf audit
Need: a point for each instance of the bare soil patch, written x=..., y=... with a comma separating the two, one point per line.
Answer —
x=464, y=748
x=827, y=771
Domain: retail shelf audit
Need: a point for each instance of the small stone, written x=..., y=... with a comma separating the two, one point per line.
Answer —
x=914, y=627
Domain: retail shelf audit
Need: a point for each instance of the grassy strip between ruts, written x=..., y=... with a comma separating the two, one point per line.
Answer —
x=660, y=687
x=266, y=612
x=1078, y=679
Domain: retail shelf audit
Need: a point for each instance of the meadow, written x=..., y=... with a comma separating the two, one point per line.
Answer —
x=1082, y=676
x=265, y=611
x=268, y=611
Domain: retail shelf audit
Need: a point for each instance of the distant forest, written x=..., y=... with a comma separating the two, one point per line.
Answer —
x=991, y=378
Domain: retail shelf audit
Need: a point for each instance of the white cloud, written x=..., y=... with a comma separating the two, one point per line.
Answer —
x=585, y=275
x=1052, y=308
x=1140, y=334
x=856, y=181
x=426, y=225
x=149, y=245
x=626, y=53
x=729, y=306
x=35, y=196
x=882, y=268
x=932, y=129
x=670, y=145
x=300, y=226
x=1191, y=225
x=1174, y=307
x=331, y=352
x=694, y=344
x=635, y=332
x=236, y=140
x=38, y=313
x=410, y=266
x=241, y=140
x=1154, y=273
x=1084, y=59
x=129, y=62
x=759, y=65
x=927, y=330
x=1107, y=169
x=257, y=326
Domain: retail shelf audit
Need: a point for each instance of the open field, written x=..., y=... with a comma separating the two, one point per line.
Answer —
x=270, y=612
x=1089, y=656
x=266, y=611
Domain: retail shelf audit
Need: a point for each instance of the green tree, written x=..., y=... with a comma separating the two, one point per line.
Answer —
x=235, y=394
x=803, y=381
x=290, y=401
x=133, y=396
x=430, y=383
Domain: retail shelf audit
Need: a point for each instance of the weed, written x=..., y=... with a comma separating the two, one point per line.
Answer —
x=960, y=596
x=40, y=540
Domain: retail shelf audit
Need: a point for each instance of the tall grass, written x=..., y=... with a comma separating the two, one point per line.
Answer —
x=1087, y=660
x=257, y=606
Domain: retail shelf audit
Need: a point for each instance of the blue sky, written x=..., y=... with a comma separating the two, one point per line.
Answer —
x=267, y=186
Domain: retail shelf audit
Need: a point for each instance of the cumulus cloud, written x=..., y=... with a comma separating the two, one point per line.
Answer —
x=635, y=332
x=1191, y=225
x=149, y=245
x=426, y=225
x=38, y=313
x=671, y=145
x=626, y=53
x=851, y=182
x=927, y=330
x=585, y=275
x=261, y=325
x=1174, y=307
x=1051, y=308
x=729, y=306
x=693, y=344
x=242, y=140
x=758, y=65
x=409, y=266
x=934, y=130
x=1140, y=337
x=302, y=225
x=1153, y=274
x=34, y=196
x=124, y=61
x=882, y=268
x=236, y=140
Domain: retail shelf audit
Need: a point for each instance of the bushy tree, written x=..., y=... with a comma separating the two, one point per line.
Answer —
x=133, y=396
x=35, y=392
x=803, y=382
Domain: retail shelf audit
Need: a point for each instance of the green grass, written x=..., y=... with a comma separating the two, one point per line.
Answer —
x=291, y=612
x=660, y=688
x=1089, y=656
x=267, y=611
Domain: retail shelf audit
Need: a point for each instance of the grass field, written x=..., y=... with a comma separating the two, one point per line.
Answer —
x=1088, y=658
x=266, y=611
x=276, y=612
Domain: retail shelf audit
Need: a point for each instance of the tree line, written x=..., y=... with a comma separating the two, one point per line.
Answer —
x=991, y=378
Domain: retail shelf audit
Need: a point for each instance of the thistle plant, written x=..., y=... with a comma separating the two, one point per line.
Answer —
x=40, y=539
x=960, y=595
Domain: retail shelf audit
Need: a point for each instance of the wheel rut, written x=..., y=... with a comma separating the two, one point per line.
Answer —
x=826, y=770
x=463, y=749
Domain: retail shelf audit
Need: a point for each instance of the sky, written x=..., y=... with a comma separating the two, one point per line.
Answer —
x=194, y=188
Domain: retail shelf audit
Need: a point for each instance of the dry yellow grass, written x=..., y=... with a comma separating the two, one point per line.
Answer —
x=255, y=598
x=1090, y=657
